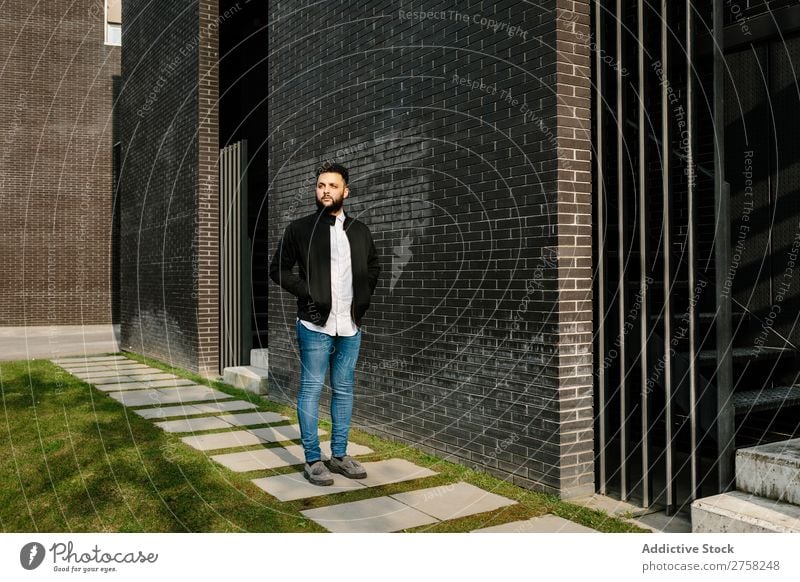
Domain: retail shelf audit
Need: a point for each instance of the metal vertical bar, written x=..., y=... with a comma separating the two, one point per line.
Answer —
x=226, y=228
x=621, y=262
x=690, y=188
x=223, y=279
x=722, y=258
x=665, y=189
x=222, y=261
x=601, y=275
x=237, y=281
x=244, y=315
x=226, y=262
x=235, y=263
x=228, y=200
x=235, y=253
x=643, y=258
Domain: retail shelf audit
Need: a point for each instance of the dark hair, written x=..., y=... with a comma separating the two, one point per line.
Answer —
x=338, y=168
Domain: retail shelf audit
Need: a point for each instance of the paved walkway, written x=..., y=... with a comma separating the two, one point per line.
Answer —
x=55, y=341
x=219, y=425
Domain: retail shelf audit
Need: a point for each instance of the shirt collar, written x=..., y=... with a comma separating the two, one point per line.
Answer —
x=326, y=218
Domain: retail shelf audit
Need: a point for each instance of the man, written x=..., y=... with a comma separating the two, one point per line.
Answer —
x=338, y=271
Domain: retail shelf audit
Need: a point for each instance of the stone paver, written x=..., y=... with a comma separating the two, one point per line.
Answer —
x=453, y=501
x=141, y=385
x=137, y=397
x=393, y=471
x=97, y=365
x=103, y=368
x=74, y=359
x=253, y=418
x=545, y=524
x=193, y=424
x=167, y=411
x=167, y=395
x=256, y=460
x=107, y=379
x=275, y=434
x=294, y=486
x=274, y=457
x=119, y=372
x=150, y=377
x=196, y=392
x=109, y=373
x=193, y=409
x=225, y=406
x=222, y=440
x=122, y=377
x=379, y=515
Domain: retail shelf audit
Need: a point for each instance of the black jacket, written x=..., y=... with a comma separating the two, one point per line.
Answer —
x=306, y=242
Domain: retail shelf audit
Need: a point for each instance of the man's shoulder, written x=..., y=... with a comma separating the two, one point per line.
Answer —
x=301, y=222
x=356, y=225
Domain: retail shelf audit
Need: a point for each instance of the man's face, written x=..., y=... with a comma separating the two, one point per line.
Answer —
x=331, y=192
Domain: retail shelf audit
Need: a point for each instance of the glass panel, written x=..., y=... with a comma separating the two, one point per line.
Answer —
x=114, y=34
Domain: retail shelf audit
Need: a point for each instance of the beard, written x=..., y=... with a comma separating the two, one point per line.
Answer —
x=334, y=207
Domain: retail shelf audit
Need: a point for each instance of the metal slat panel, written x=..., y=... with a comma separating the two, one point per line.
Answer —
x=233, y=217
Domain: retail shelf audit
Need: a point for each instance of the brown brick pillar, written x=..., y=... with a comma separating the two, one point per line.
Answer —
x=208, y=194
x=573, y=102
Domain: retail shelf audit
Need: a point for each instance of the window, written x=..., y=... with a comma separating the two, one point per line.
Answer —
x=114, y=22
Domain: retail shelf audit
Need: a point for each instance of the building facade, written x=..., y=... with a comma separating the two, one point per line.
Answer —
x=59, y=83
x=584, y=212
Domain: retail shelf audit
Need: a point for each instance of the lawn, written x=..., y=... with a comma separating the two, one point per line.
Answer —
x=74, y=460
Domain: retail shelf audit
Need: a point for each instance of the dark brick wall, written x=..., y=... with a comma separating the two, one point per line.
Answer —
x=168, y=241
x=469, y=156
x=56, y=139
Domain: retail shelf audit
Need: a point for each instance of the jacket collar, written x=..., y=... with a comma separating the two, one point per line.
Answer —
x=325, y=218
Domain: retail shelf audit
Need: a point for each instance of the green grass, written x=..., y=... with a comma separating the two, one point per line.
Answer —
x=73, y=459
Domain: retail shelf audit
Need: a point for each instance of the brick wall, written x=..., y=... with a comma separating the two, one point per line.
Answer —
x=169, y=182
x=470, y=164
x=56, y=139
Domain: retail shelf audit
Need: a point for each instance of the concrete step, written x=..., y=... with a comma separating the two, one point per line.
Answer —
x=771, y=471
x=738, y=512
x=250, y=378
x=260, y=358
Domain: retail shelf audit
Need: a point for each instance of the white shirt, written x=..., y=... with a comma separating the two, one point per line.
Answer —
x=340, y=321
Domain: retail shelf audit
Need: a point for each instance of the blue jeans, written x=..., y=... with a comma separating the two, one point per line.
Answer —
x=318, y=352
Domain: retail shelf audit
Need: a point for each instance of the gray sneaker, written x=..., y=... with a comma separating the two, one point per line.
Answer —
x=317, y=473
x=348, y=467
